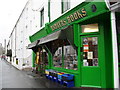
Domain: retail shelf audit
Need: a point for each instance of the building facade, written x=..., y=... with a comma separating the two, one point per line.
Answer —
x=27, y=24
x=83, y=41
x=33, y=18
x=1, y=49
x=75, y=37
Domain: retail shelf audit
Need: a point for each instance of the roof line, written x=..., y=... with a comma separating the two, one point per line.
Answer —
x=19, y=18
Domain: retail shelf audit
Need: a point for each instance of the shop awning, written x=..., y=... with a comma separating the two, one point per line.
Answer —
x=34, y=44
x=51, y=37
x=48, y=38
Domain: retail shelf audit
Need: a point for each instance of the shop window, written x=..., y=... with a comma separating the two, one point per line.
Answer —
x=57, y=52
x=90, y=51
x=57, y=58
x=70, y=57
x=64, y=54
x=90, y=28
x=65, y=5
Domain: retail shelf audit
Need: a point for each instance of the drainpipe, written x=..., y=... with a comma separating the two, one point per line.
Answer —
x=115, y=50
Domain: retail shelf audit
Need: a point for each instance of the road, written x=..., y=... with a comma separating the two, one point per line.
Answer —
x=10, y=77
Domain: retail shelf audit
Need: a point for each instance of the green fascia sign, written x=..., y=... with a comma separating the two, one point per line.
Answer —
x=83, y=11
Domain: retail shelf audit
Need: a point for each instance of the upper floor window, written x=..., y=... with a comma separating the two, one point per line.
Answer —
x=42, y=17
x=65, y=5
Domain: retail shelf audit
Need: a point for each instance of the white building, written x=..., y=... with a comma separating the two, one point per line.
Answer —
x=1, y=49
x=34, y=16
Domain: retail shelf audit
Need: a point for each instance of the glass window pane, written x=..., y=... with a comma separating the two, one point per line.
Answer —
x=66, y=5
x=42, y=17
x=57, y=58
x=70, y=57
x=57, y=52
x=90, y=28
x=90, y=51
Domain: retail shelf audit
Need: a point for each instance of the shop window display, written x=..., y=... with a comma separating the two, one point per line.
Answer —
x=57, y=53
x=65, y=53
x=57, y=58
x=90, y=51
x=70, y=57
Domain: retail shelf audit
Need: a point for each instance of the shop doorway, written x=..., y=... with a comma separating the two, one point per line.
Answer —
x=41, y=60
x=89, y=56
x=90, y=68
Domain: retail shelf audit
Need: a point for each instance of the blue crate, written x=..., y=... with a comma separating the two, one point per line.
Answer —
x=47, y=76
x=51, y=72
x=55, y=79
x=60, y=75
x=60, y=81
x=51, y=77
x=67, y=77
x=68, y=84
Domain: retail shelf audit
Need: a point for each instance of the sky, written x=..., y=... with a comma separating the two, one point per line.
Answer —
x=10, y=11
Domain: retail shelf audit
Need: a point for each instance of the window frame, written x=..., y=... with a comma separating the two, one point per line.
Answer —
x=62, y=6
x=42, y=17
x=63, y=57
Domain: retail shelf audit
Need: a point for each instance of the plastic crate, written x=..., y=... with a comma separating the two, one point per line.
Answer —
x=51, y=72
x=60, y=75
x=60, y=81
x=55, y=79
x=68, y=84
x=47, y=72
x=67, y=77
x=55, y=73
x=51, y=77
x=47, y=76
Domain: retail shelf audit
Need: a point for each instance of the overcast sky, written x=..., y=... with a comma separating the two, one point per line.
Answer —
x=10, y=10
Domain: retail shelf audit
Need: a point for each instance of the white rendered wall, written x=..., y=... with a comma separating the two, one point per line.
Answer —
x=28, y=24
x=56, y=8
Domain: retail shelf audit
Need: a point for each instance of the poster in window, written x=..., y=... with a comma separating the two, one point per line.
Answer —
x=90, y=55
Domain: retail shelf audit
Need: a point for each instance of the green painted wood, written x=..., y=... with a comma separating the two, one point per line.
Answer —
x=102, y=55
x=33, y=59
x=76, y=34
x=41, y=33
x=91, y=76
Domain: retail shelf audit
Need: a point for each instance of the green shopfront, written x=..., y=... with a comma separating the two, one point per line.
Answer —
x=80, y=42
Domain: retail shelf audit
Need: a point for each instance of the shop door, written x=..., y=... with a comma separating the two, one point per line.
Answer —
x=90, y=68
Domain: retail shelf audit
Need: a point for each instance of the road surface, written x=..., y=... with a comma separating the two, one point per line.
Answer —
x=10, y=77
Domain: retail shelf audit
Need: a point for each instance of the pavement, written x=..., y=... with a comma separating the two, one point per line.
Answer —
x=11, y=77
